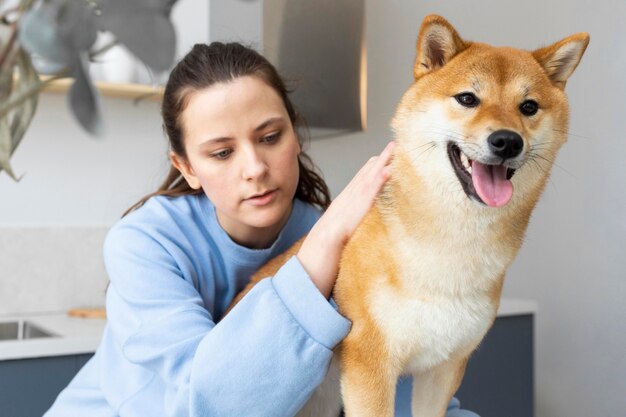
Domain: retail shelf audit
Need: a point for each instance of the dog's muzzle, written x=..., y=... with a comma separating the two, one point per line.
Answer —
x=487, y=183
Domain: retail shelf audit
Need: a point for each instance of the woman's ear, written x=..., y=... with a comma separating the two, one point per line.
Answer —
x=185, y=168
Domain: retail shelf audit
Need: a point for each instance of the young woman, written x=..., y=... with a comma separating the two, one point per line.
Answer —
x=240, y=191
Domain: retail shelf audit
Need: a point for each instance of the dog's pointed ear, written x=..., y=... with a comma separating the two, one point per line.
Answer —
x=437, y=43
x=560, y=59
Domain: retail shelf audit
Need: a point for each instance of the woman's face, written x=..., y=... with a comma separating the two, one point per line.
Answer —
x=242, y=151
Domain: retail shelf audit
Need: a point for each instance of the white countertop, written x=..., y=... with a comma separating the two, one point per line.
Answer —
x=72, y=336
x=80, y=335
x=516, y=307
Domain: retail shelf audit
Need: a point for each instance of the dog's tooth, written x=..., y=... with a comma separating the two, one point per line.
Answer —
x=465, y=161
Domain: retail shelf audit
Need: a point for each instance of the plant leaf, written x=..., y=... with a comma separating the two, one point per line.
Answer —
x=46, y=67
x=5, y=148
x=76, y=22
x=38, y=34
x=23, y=114
x=15, y=124
x=56, y=30
x=144, y=27
x=84, y=99
x=6, y=85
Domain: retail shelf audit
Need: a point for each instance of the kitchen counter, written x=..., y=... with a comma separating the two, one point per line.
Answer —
x=80, y=335
x=73, y=335
x=516, y=307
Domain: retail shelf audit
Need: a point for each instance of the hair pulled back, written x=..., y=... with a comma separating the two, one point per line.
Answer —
x=204, y=66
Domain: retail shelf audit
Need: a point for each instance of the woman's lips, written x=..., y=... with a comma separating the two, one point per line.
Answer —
x=263, y=199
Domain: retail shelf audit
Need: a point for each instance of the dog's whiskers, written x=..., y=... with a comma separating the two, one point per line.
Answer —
x=533, y=156
x=541, y=168
x=432, y=146
x=541, y=145
x=536, y=164
x=544, y=149
x=572, y=134
x=470, y=144
x=445, y=132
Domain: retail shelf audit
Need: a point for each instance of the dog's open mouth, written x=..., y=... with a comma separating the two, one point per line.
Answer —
x=487, y=184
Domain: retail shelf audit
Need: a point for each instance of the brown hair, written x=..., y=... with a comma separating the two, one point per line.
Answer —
x=218, y=62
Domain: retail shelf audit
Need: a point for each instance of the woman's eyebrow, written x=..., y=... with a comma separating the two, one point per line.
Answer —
x=215, y=140
x=260, y=127
x=268, y=122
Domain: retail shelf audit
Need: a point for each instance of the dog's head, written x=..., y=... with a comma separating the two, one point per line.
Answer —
x=496, y=115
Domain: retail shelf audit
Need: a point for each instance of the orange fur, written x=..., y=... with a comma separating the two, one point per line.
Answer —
x=422, y=275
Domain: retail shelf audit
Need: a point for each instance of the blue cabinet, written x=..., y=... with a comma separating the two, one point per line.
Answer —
x=499, y=377
x=28, y=387
x=498, y=381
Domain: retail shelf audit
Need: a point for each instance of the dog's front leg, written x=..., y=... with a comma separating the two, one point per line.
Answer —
x=368, y=382
x=433, y=389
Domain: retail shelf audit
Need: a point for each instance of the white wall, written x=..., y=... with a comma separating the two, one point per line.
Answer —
x=572, y=262
x=72, y=179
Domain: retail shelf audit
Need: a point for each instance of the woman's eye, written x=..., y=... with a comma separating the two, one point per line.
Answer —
x=529, y=108
x=271, y=138
x=467, y=99
x=223, y=154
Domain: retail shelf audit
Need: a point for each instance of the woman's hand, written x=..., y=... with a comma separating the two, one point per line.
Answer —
x=321, y=250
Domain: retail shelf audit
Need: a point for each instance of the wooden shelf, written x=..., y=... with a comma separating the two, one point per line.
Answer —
x=130, y=91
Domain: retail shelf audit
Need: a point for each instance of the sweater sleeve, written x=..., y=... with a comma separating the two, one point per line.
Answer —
x=276, y=358
x=264, y=359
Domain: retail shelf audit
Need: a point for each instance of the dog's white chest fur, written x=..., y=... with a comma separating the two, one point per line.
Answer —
x=425, y=333
x=439, y=312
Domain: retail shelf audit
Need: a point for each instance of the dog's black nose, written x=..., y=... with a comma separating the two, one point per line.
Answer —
x=505, y=143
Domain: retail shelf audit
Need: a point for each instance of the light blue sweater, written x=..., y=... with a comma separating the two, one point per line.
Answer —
x=166, y=350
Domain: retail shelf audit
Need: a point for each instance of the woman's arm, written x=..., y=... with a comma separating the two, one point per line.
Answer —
x=265, y=358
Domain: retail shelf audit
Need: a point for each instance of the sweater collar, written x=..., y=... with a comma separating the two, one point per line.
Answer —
x=241, y=254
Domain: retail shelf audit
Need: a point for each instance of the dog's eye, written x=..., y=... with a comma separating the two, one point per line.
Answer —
x=467, y=99
x=529, y=107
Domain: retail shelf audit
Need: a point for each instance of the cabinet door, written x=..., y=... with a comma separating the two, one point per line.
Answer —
x=499, y=377
x=28, y=387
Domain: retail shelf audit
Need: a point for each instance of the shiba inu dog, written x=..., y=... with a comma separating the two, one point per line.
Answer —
x=420, y=279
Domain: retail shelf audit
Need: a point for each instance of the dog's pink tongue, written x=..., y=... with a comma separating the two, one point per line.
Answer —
x=491, y=184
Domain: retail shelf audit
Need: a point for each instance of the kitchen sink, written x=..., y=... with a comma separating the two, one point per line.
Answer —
x=21, y=330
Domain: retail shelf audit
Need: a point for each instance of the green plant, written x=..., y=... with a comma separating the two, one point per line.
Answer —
x=60, y=36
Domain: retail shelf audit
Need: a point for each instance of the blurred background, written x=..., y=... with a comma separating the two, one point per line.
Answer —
x=573, y=262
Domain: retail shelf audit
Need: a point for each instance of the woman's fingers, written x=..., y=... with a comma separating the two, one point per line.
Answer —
x=359, y=195
x=382, y=167
x=386, y=155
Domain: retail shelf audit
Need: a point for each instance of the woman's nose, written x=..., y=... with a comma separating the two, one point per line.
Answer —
x=254, y=165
